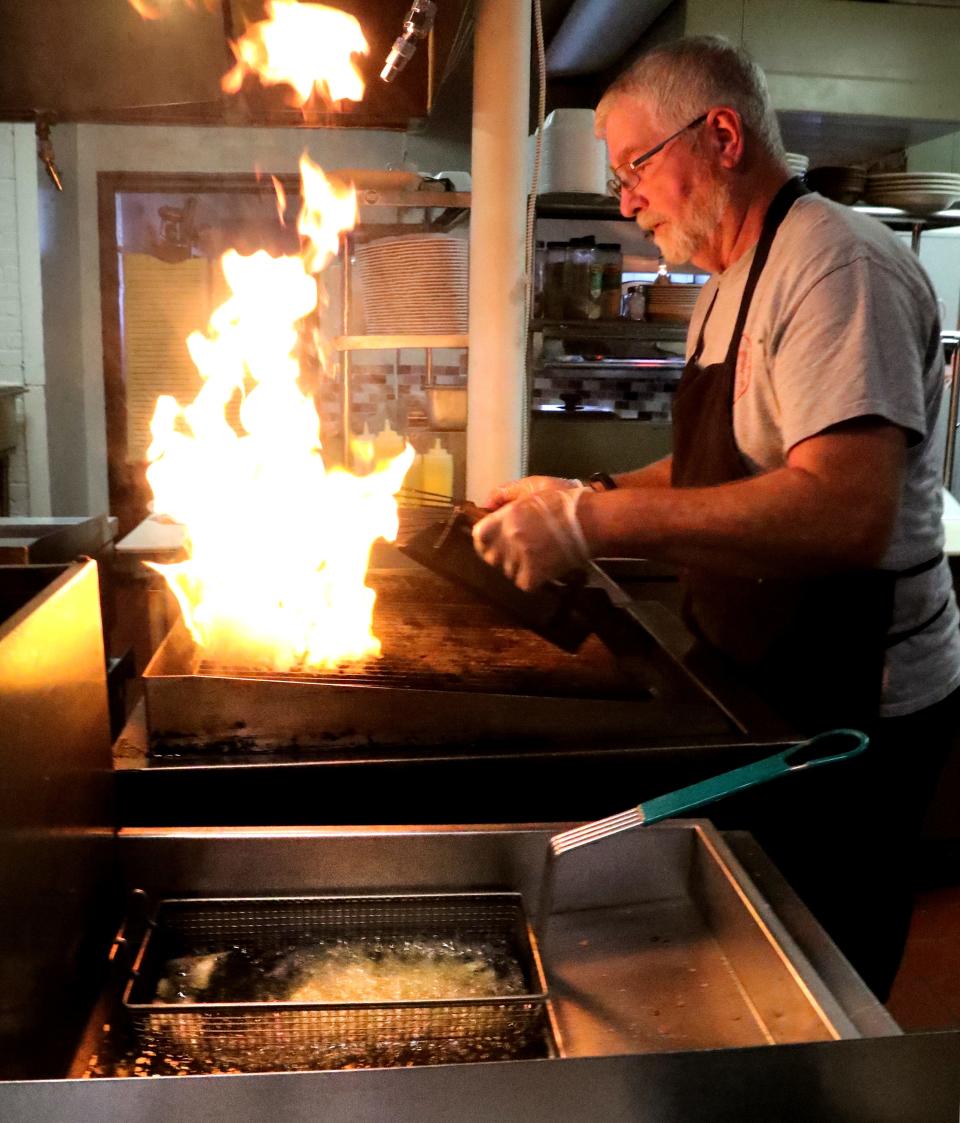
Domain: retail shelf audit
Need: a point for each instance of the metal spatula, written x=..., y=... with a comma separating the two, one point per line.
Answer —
x=825, y=748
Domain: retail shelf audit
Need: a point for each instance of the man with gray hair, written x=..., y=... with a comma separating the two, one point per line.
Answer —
x=802, y=502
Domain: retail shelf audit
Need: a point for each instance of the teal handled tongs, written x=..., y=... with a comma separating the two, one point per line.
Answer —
x=825, y=748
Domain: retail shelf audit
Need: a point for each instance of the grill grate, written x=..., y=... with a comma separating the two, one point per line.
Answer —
x=436, y=637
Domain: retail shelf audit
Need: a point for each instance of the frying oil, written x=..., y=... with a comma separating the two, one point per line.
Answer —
x=365, y=969
x=357, y=969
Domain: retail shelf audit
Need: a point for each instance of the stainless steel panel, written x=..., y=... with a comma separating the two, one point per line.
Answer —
x=910, y=1079
x=25, y=541
x=575, y=446
x=57, y=881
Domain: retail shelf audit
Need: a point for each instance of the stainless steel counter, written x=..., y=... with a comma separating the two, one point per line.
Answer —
x=64, y=872
x=914, y=1079
x=883, y=1077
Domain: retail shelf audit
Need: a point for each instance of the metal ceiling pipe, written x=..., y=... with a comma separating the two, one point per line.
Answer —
x=595, y=33
x=496, y=387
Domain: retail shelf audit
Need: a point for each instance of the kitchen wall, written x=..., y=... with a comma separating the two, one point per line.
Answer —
x=940, y=256
x=51, y=330
x=940, y=249
x=70, y=252
x=939, y=155
x=21, y=327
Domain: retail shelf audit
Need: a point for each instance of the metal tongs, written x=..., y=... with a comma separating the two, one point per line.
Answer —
x=825, y=748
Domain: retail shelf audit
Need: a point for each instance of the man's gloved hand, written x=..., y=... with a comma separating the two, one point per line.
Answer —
x=535, y=539
x=529, y=485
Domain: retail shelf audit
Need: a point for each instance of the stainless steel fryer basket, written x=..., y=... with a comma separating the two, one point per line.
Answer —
x=254, y=1035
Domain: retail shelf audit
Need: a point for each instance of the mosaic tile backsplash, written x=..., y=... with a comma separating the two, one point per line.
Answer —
x=379, y=392
x=646, y=398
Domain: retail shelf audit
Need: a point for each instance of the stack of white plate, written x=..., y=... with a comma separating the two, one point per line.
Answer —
x=671, y=303
x=414, y=284
x=797, y=163
x=917, y=192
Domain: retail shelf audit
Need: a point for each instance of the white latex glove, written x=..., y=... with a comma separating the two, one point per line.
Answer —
x=535, y=539
x=524, y=488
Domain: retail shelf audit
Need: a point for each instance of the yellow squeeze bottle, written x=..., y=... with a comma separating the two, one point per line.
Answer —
x=438, y=471
x=388, y=443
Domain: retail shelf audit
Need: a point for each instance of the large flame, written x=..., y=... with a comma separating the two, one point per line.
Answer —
x=278, y=545
x=306, y=46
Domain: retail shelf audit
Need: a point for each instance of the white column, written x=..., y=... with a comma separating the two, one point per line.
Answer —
x=31, y=304
x=501, y=100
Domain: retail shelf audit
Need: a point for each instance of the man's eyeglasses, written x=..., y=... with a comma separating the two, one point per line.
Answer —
x=627, y=176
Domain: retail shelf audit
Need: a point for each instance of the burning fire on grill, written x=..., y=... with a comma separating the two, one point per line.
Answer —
x=246, y=603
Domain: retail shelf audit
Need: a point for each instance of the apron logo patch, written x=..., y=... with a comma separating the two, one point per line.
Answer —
x=744, y=367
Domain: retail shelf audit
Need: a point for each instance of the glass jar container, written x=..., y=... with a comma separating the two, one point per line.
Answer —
x=582, y=280
x=635, y=303
x=553, y=304
x=610, y=260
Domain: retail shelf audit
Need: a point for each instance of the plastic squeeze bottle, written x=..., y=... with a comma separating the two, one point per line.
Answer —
x=388, y=443
x=438, y=470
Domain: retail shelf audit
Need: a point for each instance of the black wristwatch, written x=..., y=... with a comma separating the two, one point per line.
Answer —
x=600, y=481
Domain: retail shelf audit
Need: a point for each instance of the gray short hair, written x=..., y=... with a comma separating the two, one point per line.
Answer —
x=683, y=79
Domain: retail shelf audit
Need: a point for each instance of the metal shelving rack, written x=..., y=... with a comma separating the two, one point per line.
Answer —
x=444, y=210
x=602, y=208
x=598, y=208
x=606, y=209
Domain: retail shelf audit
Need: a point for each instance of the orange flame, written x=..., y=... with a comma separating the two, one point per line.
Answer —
x=306, y=46
x=154, y=9
x=278, y=545
x=281, y=199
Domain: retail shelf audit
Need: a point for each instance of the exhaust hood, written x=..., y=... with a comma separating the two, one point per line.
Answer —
x=102, y=61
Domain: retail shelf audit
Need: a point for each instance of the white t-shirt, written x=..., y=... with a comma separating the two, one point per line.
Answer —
x=844, y=324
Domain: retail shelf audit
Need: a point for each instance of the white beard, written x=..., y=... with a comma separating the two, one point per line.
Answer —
x=681, y=240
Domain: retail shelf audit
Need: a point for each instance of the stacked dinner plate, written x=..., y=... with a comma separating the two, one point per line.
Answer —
x=917, y=192
x=414, y=284
x=671, y=303
x=797, y=163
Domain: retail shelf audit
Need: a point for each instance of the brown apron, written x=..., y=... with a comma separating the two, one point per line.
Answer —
x=814, y=648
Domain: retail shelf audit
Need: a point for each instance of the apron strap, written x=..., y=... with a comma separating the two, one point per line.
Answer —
x=895, y=638
x=776, y=213
x=698, y=350
x=920, y=567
